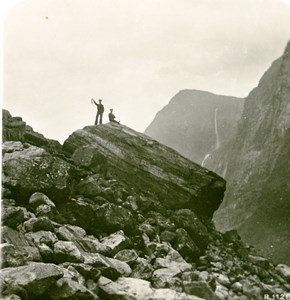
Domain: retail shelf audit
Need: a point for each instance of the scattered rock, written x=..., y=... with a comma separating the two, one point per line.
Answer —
x=200, y=289
x=284, y=271
x=106, y=263
x=37, y=199
x=127, y=255
x=67, y=251
x=38, y=224
x=70, y=233
x=116, y=242
x=12, y=216
x=35, y=278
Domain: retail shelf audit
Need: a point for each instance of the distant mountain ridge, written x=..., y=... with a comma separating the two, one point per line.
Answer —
x=190, y=122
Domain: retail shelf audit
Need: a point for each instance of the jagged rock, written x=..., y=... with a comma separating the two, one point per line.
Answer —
x=105, y=218
x=11, y=257
x=237, y=287
x=66, y=288
x=222, y=279
x=110, y=218
x=92, y=244
x=192, y=185
x=188, y=220
x=34, y=169
x=98, y=260
x=127, y=255
x=9, y=147
x=167, y=236
x=23, y=248
x=43, y=237
x=148, y=229
x=185, y=245
x=284, y=271
x=221, y=291
x=89, y=187
x=12, y=216
x=160, y=221
x=251, y=291
x=85, y=270
x=12, y=297
x=38, y=224
x=67, y=251
x=142, y=269
x=37, y=199
x=90, y=157
x=116, y=242
x=13, y=128
x=200, y=289
x=181, y=266
x=135, y=289
x=70, y=233
x=34, y=279
x=165, y=277
x=259, y=261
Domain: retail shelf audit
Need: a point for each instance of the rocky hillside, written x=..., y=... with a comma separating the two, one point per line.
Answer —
x=113, y=214
x=197, y=123
x=258, y=167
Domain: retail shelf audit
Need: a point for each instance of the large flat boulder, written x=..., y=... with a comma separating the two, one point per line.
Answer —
x=148, y=165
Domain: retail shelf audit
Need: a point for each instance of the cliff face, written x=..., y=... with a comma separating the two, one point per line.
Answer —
x=113, y=214
x=197, y=123
x=257, y=200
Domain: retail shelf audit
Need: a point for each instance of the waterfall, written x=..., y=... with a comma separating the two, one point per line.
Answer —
x=205, y=159
x=217, y=143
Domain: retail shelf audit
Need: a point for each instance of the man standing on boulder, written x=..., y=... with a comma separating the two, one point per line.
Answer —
x=100, y=110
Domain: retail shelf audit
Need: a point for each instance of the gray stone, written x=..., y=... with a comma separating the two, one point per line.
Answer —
x=66, y=288
x=38, y=224
x=37, y=199
x=259, y=261
x=23, y=247
x=284, y=271
x=35, y=278
x=98, y=260
x=67, y=251
x=42, y=237
x=200, y=289
x=127, y=255
x=116, y=242
x=12, y=216
x=70, y=233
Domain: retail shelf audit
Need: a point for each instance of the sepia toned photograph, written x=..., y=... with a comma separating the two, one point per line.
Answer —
x=145, y=149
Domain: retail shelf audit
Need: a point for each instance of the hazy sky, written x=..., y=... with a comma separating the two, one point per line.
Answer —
x=134, y=54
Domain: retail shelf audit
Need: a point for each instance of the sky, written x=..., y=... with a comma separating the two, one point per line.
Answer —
x=135, y=55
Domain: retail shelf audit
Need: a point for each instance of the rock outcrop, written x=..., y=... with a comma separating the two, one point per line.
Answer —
x=196, y=123
x=257, y=201
x=107, y=235
x=148, y=165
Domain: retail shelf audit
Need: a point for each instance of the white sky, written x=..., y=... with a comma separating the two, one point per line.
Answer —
x=134, y=54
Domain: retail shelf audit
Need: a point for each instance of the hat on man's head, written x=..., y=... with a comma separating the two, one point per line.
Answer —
x=100, y=100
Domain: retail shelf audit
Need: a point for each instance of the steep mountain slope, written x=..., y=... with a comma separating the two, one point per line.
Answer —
x=89, y=221
x=257, y=200
x=196, y=123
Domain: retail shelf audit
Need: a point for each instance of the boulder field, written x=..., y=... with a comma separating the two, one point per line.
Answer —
x=113, y=214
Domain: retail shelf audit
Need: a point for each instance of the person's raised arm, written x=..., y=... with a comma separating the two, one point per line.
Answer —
x=93, y=101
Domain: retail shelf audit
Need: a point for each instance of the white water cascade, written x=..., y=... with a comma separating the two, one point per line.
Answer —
x=217, y=139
